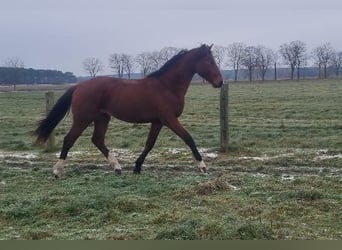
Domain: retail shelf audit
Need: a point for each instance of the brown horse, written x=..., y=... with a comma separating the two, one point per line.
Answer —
x=157, y=99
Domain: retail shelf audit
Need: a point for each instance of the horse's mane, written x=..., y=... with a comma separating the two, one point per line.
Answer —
x=168, y=64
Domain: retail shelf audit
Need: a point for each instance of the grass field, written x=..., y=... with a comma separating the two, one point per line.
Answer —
x=280, y=180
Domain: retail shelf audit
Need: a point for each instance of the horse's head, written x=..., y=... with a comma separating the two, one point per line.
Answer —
x=207, y=68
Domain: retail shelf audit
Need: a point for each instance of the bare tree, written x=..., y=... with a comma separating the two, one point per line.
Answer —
x=127, y=64
x=159, y=58
x=264, y=58
x=167, y=53
x=294, y=55
x=92, y=66
x=155, y=59
x=14, y=62
x=299, y=48
x=151, y=61
x=219, y=53
x=289, y=59
x=337, y=62
x=276, y=57
x=234, y=53
x=249, y=59
x=116, y=63
x=143, y=60
x=323, y=55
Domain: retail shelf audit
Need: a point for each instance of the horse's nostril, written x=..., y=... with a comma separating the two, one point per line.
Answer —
x=219, y=84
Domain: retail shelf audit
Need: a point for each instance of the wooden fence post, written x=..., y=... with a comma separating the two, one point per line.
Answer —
x=224, y=129
x=50, y=101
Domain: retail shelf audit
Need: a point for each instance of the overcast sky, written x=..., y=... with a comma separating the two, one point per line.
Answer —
x=47, y=34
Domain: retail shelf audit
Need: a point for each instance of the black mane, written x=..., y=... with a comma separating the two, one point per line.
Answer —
x=168, y=64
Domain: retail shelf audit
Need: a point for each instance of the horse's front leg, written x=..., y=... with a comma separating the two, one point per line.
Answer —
x=179, y=130
x=151, y=139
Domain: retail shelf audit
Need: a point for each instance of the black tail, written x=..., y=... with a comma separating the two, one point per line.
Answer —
x=57, y=113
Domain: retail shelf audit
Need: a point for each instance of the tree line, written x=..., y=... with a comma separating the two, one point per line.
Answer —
x=237, y=61
x=126, y=64
x=34, y=76
x=255, y=61
x=13, y=72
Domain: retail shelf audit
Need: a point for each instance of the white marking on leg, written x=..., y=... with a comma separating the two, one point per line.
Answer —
x=113, y=162
x=58, y=168
x=202, y=167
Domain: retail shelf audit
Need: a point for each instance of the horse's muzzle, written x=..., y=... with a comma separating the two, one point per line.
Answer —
x=218, y=85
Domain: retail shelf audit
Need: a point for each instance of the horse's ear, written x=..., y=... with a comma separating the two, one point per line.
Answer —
x=210, y=46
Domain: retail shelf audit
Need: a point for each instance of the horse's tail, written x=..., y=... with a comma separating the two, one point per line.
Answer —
x=57, y=113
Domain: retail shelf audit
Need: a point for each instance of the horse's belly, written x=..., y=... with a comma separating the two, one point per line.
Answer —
x=132, y=119
x=133, y=115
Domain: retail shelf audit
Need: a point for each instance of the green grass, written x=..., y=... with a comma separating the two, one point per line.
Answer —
x=287, y=114
x=168, y=206
x=280, y=180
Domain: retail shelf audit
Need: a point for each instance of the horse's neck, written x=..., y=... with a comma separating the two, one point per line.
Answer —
x=178, y=81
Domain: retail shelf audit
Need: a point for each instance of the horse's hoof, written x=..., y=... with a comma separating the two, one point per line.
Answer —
x=203, y=170
x=57, y=174
x=53, y=178
x=118, y=171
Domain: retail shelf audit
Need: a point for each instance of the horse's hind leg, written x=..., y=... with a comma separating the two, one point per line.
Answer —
x=100, y=129
x=151, y=139
x=69, y=140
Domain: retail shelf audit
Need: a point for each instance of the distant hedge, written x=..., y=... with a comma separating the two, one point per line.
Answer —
x=34, y=76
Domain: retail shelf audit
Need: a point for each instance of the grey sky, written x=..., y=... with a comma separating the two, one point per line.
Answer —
x=59, y=34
